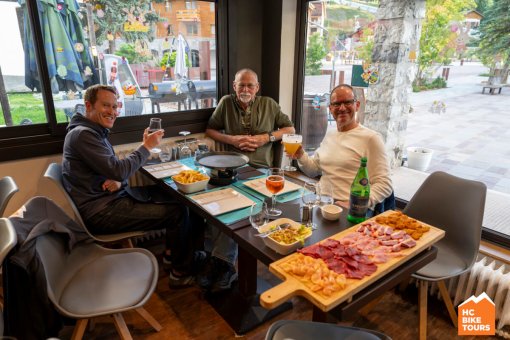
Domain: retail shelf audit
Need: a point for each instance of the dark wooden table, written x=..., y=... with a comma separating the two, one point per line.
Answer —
x=240, y=307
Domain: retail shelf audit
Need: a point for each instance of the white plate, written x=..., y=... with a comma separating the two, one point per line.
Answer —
x=167, y=169
x=259, y=185
x=221, y=201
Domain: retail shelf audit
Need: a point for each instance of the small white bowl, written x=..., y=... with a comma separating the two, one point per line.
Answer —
x=189, y=188
x=283, y=248
x=331, y=212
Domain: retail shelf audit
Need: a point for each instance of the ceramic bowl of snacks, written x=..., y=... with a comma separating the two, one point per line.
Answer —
x=286, y=235
x=190, y=181
x=331, y=212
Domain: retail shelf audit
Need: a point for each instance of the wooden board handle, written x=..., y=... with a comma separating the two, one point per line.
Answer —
x=277, y=295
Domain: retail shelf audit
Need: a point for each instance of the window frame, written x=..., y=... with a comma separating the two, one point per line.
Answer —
x=21, y=142
x=488, y=235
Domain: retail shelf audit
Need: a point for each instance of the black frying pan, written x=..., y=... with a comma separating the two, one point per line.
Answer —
x=222, y=160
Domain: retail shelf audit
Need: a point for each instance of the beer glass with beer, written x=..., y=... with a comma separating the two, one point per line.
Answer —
x=291, y=143
x=274, y=183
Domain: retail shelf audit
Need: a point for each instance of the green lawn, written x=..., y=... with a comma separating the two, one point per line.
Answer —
x=28, y=106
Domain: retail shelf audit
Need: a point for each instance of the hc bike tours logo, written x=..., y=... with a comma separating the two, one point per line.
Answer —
x=477, y=316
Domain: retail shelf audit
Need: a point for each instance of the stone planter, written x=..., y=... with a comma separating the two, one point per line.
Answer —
x=419, y=158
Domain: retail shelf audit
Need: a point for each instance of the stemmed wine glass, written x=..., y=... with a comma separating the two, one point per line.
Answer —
x=185, y=151
x=310, y=195
x=326, y=192
x=155, y=125
x=258, y=215
x=291, y=143
x=275, y=181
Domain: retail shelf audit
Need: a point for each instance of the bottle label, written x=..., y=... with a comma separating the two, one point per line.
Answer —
x=363, y=181
x=358, y=206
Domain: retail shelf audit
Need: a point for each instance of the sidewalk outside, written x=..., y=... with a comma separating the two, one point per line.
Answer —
x=470, y=139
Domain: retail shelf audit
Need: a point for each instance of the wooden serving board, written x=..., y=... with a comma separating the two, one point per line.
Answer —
x=292, y=285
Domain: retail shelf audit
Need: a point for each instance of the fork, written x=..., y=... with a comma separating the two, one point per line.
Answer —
x=272, y=230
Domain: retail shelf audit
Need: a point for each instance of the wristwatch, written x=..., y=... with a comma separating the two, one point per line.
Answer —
x=272, y=138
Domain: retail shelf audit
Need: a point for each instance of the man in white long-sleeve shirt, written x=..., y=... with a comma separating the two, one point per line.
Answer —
x=338, y=157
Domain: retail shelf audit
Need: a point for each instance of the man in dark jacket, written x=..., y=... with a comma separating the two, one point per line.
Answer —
x=96, y=179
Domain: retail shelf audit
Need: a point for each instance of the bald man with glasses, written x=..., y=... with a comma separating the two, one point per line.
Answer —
x=338, y=157
x=248, y=124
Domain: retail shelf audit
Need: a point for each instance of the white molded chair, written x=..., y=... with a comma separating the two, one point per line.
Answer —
x=455, y=205
x=91, y=281
x=54, y=173
x=8, y=240
x=7, y=189
x=308, y=330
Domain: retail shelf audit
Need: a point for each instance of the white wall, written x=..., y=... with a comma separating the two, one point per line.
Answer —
x=287, y=55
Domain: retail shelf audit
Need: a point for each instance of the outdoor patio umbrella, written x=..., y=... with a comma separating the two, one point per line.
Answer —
x=181, y=70
x=63, y=62
x=74, y=27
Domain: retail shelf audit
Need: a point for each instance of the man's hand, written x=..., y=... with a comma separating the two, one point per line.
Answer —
x=151, y=140
x=298, y=154
x=252, y=143
x=111, y=185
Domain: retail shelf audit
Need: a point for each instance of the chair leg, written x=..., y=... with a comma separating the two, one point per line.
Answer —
x=422, y=305
x=149, y=318
x=79, y=329
x=92, y=324
x=448, y=302
x=121, y=326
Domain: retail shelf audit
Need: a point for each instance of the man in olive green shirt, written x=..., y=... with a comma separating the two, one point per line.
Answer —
x=250, y=125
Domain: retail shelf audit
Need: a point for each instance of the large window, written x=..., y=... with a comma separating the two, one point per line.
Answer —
x=460, y=55
x=142, y=48
x=336, y=39
x=19, y=105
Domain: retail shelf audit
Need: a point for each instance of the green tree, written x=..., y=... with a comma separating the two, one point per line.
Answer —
x=111, y=15
x=436, y=41
x=483, y=5
x=173, y=57
x=128, y=51
x=495, y=35
x=366, y=46
x=315, y=52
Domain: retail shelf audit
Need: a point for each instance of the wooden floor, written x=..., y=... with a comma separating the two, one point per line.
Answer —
x=184, y=314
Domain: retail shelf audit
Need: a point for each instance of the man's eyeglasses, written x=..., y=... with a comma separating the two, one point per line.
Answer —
x=249, y=86
x=344, y=103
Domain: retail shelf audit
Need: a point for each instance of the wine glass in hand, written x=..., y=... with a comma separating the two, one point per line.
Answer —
x=274, y=183
x=310, y=195
x=155, y=125
x=258, y=215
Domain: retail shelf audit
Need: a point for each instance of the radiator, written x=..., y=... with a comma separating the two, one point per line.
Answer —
x=487, y=275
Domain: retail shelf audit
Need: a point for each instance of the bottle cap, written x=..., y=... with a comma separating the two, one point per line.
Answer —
x=363, y=160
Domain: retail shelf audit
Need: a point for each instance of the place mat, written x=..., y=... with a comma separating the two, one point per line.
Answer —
x=259, y=184
x=221, y=201
x=290, y=196
x=167, y=169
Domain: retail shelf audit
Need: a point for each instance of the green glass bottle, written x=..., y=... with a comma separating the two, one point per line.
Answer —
x=360, y=193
